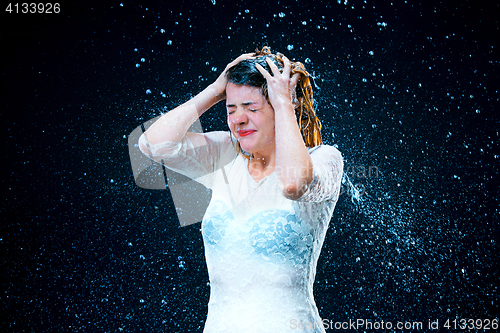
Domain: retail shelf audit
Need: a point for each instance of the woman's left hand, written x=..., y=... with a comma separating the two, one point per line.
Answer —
x=293, y=165
x=280, y=86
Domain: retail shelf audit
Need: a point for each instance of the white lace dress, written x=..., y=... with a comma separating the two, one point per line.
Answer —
x=261, y=248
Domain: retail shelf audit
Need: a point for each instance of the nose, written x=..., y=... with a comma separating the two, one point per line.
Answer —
x=239, y=117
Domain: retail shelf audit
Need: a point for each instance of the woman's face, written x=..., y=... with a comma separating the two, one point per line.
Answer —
x=250, y=118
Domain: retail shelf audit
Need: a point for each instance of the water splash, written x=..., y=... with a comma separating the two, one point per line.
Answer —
x=350, y=189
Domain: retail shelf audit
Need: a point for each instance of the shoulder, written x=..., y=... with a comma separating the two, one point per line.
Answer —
x=326, y=152
x=327, y=174
x=327, y=162
x=222, y=137
x=223, y=150
x=218, y=140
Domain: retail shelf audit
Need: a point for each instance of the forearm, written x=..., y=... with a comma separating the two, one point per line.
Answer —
x=293, y=164
x=173, y=125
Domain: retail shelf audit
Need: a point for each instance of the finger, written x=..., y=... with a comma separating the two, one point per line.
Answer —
x=247, y=56
x=294, y=80
x=273, y=67
x=263, y=71
x=287, y=67
x=240, y=59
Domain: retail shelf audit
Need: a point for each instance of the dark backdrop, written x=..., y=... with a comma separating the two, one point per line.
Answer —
x=407, y=90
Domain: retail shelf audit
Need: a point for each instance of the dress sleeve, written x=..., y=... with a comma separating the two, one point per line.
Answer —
x=197, y=155
x=327, y=174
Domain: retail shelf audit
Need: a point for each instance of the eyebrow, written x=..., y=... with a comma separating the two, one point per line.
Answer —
x=244, y=104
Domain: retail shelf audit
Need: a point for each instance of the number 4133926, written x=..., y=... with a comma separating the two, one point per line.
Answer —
x=33, y=8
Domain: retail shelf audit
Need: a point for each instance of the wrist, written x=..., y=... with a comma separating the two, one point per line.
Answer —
x=284, y=106
x=218, y=91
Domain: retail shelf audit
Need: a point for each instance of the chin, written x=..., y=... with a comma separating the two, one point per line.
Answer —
x=248, y=146
x=248, y=149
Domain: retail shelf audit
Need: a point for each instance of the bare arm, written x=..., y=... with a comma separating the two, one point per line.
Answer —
x=293, y=165
x=173, y=125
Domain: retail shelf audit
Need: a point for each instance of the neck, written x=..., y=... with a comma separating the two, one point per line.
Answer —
x=262, y=160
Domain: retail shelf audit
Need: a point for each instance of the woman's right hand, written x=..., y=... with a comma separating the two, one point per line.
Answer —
x=221, y=82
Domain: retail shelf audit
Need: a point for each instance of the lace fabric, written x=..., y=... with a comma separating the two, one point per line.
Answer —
x=261, y=248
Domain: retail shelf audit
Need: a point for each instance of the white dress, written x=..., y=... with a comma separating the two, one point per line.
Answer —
x=261, y=248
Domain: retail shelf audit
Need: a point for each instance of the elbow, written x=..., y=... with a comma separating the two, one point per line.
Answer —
x=295, y=191
x=295, y=185
x=143, y=145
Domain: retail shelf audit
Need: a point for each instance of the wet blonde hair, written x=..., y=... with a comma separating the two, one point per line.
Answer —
x=246, y=73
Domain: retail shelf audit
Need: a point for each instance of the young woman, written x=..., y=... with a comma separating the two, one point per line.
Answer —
x=274, y=189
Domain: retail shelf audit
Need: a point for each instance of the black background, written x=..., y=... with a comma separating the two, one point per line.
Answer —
x=408, y=87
